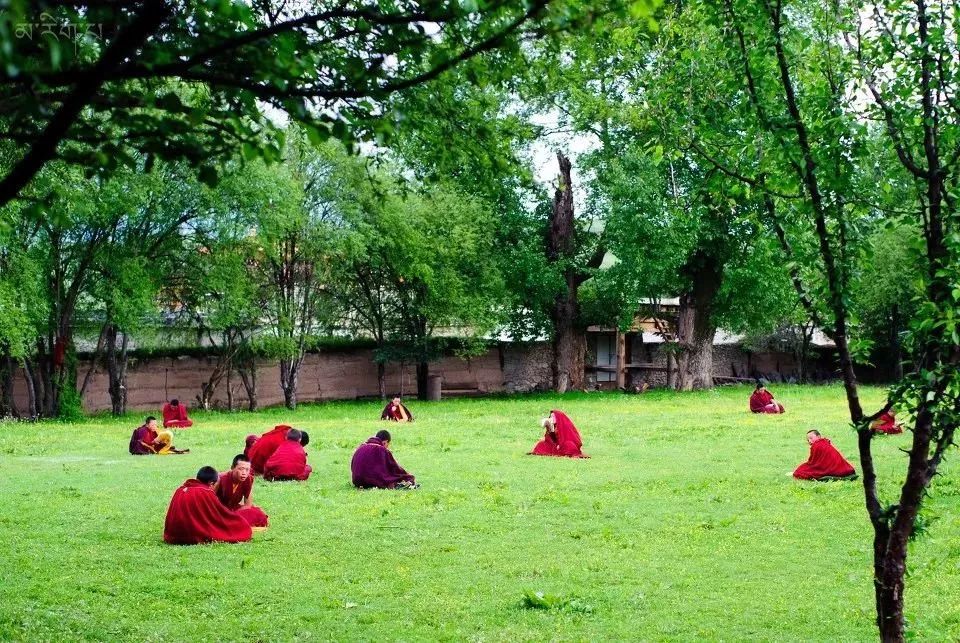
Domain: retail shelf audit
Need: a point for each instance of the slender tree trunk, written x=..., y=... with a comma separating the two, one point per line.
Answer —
x=382, y=380
x=248, y=376
x=290, y=380
x=7, y=407
x=33, y=411
x=117, y=369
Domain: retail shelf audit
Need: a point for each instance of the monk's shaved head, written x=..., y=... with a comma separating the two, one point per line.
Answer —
x=383, y=435
x=813, y=431
x=239, y=458
x=304, y=438
x=208, y=475
x=294, y=434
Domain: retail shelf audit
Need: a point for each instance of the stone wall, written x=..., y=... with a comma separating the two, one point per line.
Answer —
x=341, y=375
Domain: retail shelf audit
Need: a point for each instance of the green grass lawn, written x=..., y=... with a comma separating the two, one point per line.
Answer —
x=683, y=525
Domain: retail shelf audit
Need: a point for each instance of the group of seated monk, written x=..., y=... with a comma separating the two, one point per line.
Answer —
x=198, y=512
x=279, y=454
x=147, y=440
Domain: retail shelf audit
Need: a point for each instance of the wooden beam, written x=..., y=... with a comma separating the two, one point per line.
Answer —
x=621, y=360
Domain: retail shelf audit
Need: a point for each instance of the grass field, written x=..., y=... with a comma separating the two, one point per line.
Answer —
x=682, y=526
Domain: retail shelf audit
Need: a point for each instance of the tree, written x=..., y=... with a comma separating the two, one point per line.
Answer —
x=790, y=72
x=190, y=82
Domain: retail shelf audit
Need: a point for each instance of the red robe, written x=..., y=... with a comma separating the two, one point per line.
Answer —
x=197, y=516
x=563, y=442
x=887, y=423
x=176, y=416
x=393, y=412
x=288, y=462
x=142, y=436
x=264, y=447
x=373, y=466
x=825, y=461
x=232, y=494
x=762, y=402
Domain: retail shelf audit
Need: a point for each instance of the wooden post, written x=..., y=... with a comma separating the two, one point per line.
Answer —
x=621, y=361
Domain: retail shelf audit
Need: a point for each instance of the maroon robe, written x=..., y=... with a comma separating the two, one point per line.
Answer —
x=392, y=412
x=197, y=516
x=264, y=447
x=141, y=442
x=887, y=423
x=374, y=466
x=825, y=461
x=176, y=416
x=761, y=401
x=232, y=494
x=564, y=441
x=288, y=462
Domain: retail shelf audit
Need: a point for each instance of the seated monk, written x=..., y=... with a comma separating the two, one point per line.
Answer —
x=146, y=440
x=265, y=445
x=197, y=516
x=560, y=439
x=886, y=423
x=761, y=401
x=825, y=462
x=289, y=460
x=175, y=415
x=235, y=490
x=251, y=440
x=396, y=411
x=141, y=442
x=164, y=444
x=373, y=466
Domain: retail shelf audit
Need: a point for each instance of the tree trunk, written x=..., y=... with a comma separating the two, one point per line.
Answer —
x=569, y=341
x=248, y=376
x=290, y=380
x=117, y=369
x=695, y=326
x=382, y=380
x=33, y=411
x=7, y=407
x=423, y=371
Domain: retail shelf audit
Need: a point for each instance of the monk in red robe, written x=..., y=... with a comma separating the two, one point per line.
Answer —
x=146, y=440
x=265, y=445
x=560, y=437
x=175, y=415
x=395, y=411
x=761, y=401
x=235, y=490
x=289, y=460
x=373, y=466
x=142, y=440
x=825, y=462
x=886, y=423
x=197, y=516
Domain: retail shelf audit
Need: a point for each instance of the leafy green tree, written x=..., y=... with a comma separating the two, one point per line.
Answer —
x=191, y=81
